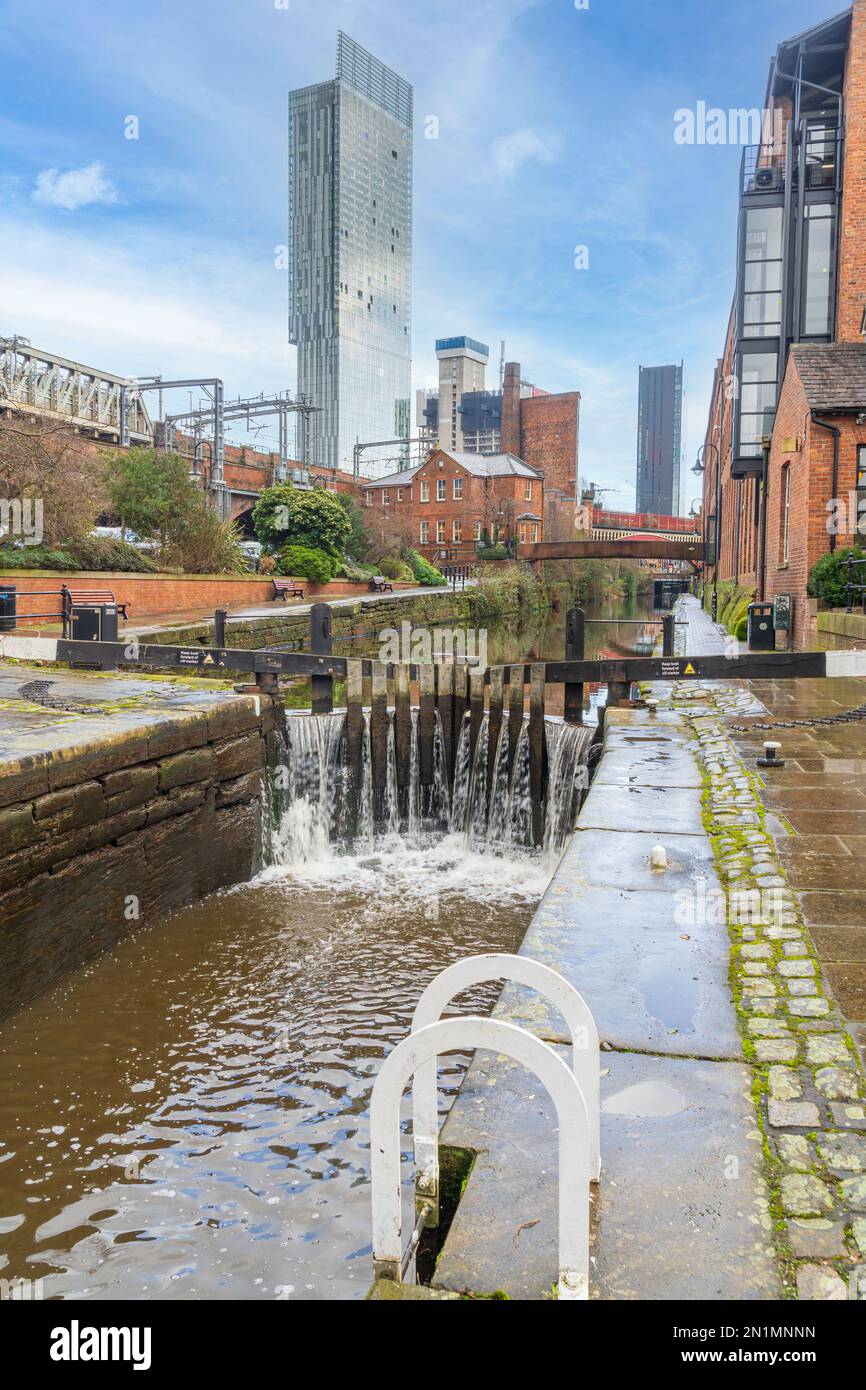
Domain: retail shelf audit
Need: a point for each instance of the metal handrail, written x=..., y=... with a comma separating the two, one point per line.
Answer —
x=460, y=1034
x=521, y=970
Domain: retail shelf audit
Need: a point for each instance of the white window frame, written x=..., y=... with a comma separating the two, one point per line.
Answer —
x=458, y=489
x=424, y=533
x=441, y=490
x=440, y=532
x=425, y=491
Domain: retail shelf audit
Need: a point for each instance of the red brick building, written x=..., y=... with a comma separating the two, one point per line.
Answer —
x=451, y=503
x=786, y=423
x=543, y=430
x=247, y=472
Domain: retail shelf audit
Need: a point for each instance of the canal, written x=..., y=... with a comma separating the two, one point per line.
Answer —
x=186, y=1117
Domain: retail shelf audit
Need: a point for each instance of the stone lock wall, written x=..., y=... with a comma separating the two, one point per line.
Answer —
x=99, y=840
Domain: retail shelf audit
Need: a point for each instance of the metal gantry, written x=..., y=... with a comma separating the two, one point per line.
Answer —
x=253, y=408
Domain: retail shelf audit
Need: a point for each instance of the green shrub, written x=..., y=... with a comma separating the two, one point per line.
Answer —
x=36, y=557
x=352, y=569
x=508, y=592
x=304, y=562
x=393, y=567
x=422, y=571
x=106, y=553
x=492, y=552
x=285, y=515
x=829, y=577
x=741, y=629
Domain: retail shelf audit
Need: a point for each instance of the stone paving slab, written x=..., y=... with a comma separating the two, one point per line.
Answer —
x=670, y=1220
x=661, y=810
x=654, y=984
x=101, y=708
x=652, y=766
x=623, y=861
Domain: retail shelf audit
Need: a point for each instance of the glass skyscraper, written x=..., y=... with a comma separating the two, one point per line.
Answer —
x=660, y=440
x=350, y=240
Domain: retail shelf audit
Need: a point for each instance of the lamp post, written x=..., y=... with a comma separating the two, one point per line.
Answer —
x=699, y=470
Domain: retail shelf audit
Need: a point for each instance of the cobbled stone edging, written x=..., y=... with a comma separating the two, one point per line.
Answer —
x=810, y=1089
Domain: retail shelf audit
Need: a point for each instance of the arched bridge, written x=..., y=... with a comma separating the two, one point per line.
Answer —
x=647, y=547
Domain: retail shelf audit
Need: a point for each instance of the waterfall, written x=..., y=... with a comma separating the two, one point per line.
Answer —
x=316, y=812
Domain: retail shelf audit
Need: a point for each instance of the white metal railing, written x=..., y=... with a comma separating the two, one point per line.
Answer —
x=460, y=1034
x=522, y=971
x=574, y=1091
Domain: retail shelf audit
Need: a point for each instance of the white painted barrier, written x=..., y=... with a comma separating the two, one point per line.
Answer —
x=584, y=1050
x=29, y=648
x=462, y=1034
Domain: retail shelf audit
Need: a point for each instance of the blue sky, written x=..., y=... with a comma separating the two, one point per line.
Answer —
x=555, y=131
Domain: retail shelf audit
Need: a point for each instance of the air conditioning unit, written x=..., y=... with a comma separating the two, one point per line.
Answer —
x=767, y=180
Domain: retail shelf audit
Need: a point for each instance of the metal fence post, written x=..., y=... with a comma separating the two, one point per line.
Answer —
x=670, y=635
x=219, y=627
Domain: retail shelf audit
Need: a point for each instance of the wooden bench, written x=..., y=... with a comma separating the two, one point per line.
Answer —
x=380, y=585
x=91, y=598
x=286, y=589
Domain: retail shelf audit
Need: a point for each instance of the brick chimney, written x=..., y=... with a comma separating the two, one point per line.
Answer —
x=851, y=299
x=511, y=410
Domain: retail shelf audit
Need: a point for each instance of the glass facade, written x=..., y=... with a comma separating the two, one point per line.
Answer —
x=350, y=180
x=659, y=446
x=762, y=279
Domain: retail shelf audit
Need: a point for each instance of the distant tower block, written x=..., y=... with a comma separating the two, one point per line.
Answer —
x=461, y=369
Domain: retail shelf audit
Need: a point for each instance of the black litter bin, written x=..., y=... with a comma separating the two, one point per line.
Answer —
x=762, y=633
x=8, y=607
x=94, y=622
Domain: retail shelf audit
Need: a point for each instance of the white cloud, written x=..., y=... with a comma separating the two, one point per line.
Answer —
x=510, y=151
x=74, y=189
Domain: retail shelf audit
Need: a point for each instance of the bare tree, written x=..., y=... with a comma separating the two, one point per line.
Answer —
x=52, y=464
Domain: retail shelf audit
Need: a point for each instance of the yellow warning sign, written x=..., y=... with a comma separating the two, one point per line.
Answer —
x=690, y=670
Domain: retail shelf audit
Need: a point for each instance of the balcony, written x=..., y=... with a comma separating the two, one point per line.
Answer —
x=762, y=171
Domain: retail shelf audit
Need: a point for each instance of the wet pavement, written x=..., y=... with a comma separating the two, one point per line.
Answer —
x=676, y=1093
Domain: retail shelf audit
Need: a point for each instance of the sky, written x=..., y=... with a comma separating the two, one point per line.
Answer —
x=555, y=124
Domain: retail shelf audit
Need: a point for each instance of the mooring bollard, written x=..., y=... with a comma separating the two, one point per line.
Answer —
x=772, y=755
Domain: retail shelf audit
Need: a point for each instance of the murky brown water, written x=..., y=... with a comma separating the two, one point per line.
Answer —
x=186, y=1118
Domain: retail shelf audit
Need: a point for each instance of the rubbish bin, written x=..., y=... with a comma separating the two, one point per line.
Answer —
x=94, y=622
x=8, y=607
x=762, y=634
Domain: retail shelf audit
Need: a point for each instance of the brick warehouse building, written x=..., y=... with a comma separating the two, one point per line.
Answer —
x=540, y=427
x=445, y=506
x=785, y=436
